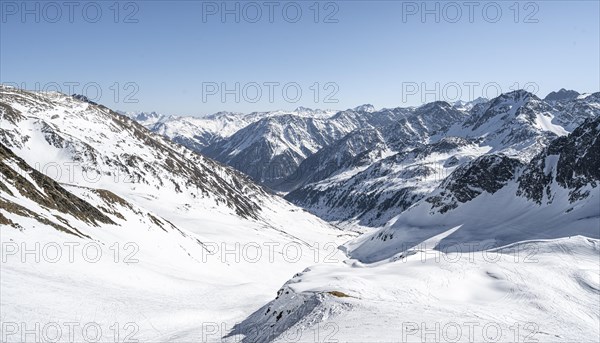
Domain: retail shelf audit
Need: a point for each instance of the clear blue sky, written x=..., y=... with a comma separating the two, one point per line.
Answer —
x=378, y=52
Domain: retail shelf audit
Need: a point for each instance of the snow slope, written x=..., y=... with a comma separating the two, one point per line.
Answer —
x=535, y=291
x=198, y=243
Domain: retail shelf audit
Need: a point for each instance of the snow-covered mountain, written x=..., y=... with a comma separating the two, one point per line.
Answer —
x=197, y=133
x=418, y=125
x=358, y=148
x=146, y=119
x=354, y=167
x=271, y=149
x=429, y=143
x=500, y=245
x=573, y=113
x=373, y=193
x=468, y=105
x=517, y=120
x=462, y=201
x=162, y=217
x=377, y=181
x=556, y=194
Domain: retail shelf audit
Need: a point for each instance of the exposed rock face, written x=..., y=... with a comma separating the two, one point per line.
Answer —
x=18, y=179
x=43, y=190
x=573, y=162
x=349, y=151
x=83, y=98
x=488, y=173
x=562, y=94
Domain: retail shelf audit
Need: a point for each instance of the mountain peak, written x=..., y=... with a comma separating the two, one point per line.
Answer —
x=143, y=117
x=562, y=94
x=304, y=109
x=468, y=105
x=435, y=104
x=365, y=108
x=519, y=94
x=83, y=98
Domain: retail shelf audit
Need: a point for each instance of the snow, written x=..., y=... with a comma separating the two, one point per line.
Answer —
x=544, y=291
x=544, y=122
x=197, y=260
x=184, y=266
x=219, y=125
x=519, y=219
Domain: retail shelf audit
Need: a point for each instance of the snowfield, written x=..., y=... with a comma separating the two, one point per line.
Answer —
x=157, y=286
x=535, y=291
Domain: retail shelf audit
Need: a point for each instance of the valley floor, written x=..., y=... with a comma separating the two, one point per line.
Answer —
x=537, y=291
x=165, y=287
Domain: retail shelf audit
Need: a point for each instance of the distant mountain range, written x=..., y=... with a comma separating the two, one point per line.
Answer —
x=364, y=166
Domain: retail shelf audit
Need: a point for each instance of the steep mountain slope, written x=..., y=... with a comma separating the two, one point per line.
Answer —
x=19, y=179
x=555, y=195
x=272, y=148
x=418, y=126
x=517, y=124
x=31, y=200
x=572, y=113
x=562, y=94
x=376, y=183
x=197, y=242
x=92, y=146
x=358, y=148
x=372, y=194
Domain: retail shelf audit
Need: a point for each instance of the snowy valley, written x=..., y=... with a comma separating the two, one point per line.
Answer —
x=444, y=222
